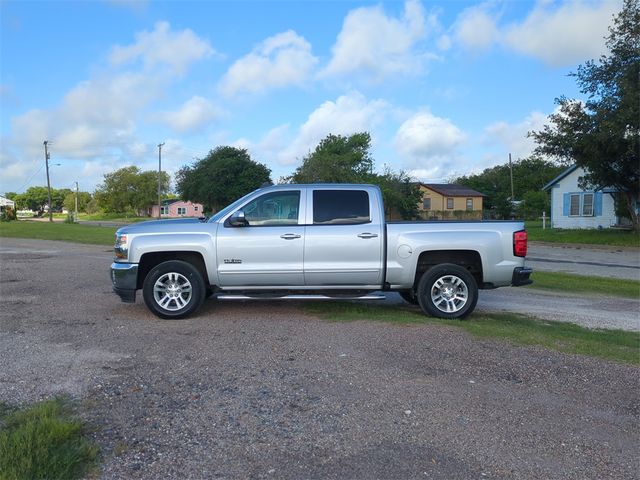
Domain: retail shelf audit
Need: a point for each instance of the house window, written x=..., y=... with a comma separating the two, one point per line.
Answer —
x=587, y=205
x=195, y=208
x=469, y=204
x=182, y=210
x=574, y=209
x=449, y=203
x=426, y=203
x=581, y=204
x=164, y=210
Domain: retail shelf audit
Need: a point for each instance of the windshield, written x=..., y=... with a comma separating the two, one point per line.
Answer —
x=229, y=208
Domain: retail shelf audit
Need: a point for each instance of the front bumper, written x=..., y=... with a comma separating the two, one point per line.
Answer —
x=124, y=277
x=521, y=276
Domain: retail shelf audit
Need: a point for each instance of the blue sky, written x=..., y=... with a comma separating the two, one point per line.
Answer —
x=444, y=88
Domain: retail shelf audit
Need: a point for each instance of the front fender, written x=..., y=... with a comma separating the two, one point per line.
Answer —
x=201, y=243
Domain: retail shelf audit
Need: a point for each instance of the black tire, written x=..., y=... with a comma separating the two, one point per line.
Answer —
x=409, y=296
x=173, y=289
x=447, y=291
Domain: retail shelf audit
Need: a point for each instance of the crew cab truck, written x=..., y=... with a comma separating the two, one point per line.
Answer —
x=315, y=241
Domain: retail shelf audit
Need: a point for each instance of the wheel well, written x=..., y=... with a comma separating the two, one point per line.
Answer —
x=150, y=260
x=468, y=259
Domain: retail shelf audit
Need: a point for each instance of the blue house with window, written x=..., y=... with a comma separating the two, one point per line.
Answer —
x=573, y=207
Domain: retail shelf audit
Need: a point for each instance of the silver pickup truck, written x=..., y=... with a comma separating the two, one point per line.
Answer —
x=315, y=241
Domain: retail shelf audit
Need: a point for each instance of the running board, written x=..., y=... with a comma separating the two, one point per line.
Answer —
x=371, y=296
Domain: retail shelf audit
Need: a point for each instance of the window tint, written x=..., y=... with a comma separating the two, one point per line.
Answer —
x=277, y=208
x=340, y=207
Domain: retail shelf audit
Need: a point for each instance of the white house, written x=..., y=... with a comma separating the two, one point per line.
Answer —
x=572, y=207
x=5, y=202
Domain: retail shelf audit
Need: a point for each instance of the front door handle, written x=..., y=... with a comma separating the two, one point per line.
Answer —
x=290, y=236
x=368, y=235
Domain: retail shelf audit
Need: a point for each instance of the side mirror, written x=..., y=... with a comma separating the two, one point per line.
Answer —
x=237, y=219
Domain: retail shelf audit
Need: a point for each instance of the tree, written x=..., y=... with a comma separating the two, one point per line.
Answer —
x=83, y=200
x=401, y=195
x=529, y=175
x=35, y=198
x=128, y=190
x=602, y=134
x=337, y=159
x=224, y=175
x=340, y=159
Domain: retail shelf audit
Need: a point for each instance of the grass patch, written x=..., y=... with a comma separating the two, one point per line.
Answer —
x=66, y=232
x=43, y=441
x=616, y=345
x=566, y=282
x=607, y=236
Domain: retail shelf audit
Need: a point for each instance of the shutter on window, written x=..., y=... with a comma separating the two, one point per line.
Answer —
x=597, y=204
x=566, y=200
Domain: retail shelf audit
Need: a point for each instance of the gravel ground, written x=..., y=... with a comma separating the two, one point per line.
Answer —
x=261, y=390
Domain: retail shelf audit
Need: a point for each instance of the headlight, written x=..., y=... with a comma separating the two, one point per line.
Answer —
x=121, y=248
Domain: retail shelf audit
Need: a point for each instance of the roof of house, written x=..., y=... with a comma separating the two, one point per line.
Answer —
x=171, y=201
x=452, y=190
x=569, y=170
x=4, y=201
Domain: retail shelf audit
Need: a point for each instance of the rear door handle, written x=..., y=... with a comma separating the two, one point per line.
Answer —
x=290, y=236
x=368, y=235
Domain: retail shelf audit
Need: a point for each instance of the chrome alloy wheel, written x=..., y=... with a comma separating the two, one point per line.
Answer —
x=449, y=294
x=172, y=291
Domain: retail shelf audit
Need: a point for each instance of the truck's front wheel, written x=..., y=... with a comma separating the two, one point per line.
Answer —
x=447, y=291
x=173, y=289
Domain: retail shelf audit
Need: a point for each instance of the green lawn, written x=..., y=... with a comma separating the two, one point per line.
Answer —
x=587, y=237
x=43, y=441
x=565, y=282
x=66, y=232
x=616, y=345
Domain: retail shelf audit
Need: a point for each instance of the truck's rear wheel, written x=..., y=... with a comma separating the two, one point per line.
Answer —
x=447, y=291
x=173, y=289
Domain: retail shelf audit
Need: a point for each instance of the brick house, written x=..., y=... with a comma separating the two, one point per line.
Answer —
x=447, y=201
x=177, y=209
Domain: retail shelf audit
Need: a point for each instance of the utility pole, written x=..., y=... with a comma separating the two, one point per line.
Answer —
x=46, y=161
x=511, y=174
x=75, y=216
x=159, y=177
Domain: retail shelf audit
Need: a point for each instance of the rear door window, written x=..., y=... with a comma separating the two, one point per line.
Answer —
x=340, y=207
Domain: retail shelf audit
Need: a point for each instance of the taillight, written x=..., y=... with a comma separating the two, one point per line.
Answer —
x=520, y=243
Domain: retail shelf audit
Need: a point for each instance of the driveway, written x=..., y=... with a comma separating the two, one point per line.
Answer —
x=263, y=390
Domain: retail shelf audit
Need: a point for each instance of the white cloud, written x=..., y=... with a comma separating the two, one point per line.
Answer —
x=178, y=50
x=558, y=33
x=194, y=114
x=425, y=137
x=96, y=122
x=279, y=61
x=376, y=44
x=476, y=28
x=507, y=138
x=349, y=114
x=563, y=35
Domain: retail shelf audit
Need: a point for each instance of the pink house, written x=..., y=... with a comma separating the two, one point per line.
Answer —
x=177, y=209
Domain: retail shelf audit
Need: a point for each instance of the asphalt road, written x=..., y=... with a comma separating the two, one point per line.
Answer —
x=263, y=390
x=613, y=262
